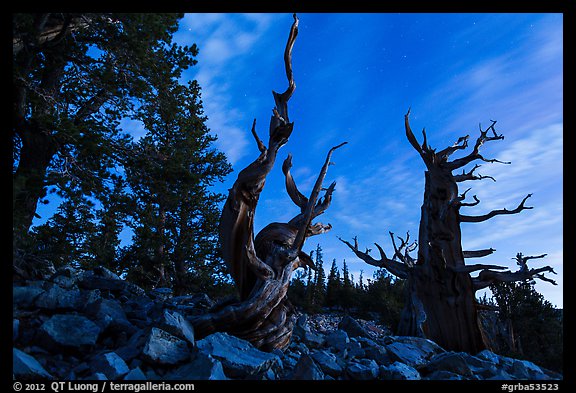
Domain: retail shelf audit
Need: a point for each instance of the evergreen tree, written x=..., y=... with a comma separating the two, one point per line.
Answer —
x=333, y=285
x=535, y=326
x=75, y=77
x=319, y=295
x=176, y=217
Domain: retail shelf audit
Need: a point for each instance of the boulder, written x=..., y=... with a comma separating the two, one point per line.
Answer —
x=413, y=351
x=444, y=376
x=399, y=371
x=352, y=327
x=176, y=324
x=378, y=353
x=306, y=369
x=363, y=370
x=354, y=349
x=24, y=297
x=109, y=364
x=102, y=278
x=164, y=349
x=338, y=339
x=57, y=298
x=109, y=314
x=135, y=375
x=202, y=367
x=15, y=329
x=327, y=362
x=68, y=331
x=454, y=362
x=239, y=357
x=26, y=367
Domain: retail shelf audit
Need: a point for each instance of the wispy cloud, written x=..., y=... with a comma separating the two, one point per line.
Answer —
x=224, y=42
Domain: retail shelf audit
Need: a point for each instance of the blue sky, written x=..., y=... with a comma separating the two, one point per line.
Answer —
x=356, y=76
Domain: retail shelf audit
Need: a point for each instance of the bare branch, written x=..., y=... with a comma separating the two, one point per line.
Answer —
x=410, y=134
x=493, y=213
x=475, y=268
x=282, y=99
x=478, y=253
x=475, y=155
x=470, y=175
x=398, y=269
x=488, y=277
x=300, y=200
x=309, y=211
x=259, y=142
x=461, y=144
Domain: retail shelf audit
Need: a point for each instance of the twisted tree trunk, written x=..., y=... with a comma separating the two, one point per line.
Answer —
x=262, y=267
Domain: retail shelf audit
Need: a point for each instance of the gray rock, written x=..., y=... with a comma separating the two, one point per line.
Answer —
x=306, y=369
x=161, y=294
x=176, y=324
x=352, y=327
x=531, y=370
x=313, y=340
x=109, y=364
x=338, y=339
x=488, y=356
x=239, y=357
x=135, y=375
x=15, y=329
x=444, y=375
x=379, y=354
x=354, y=349
x=24, y=297
x=69, y=331
x=399, y=371
x=480, y=367
x=57, y=298
x=134, y=346
x=327, y=362
x=26, y=367
x=454, y=362
x=363, y=370
x=202, y=367
x=102, y=278
x=413, y=351
x=96, y=377
x=110, y=314
x=163, y=348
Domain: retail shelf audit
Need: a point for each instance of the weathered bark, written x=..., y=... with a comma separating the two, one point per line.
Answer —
x=262, y=266
x=440, y=302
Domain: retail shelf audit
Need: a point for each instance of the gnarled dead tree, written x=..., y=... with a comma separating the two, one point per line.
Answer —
x=262, y=266
x=441, y=303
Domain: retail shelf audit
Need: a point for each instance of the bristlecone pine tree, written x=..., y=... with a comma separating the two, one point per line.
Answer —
x=441, y=303
x=262, y=266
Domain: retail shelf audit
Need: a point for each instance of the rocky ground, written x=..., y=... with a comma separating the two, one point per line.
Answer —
x=93, y=325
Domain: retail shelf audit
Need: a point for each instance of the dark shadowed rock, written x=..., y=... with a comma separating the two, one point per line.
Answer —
x=26, y=367
x=239, y=357
x=352, y=327
x=444, y=376
x=362, y=370
x=109, y=364
x=109, y=314
x=306, y=369
x=57, y=298
x=202, y=367
x=328, y=362
x=24, y=297
x=174, y=323
x=102, y=278
x=15, y=329
x=135, y=375
x=399, y=371
x=453, y=362
x=68, y=331
x=133, y=348
x=413, y=351
x=354, y=349
x=338, y=340
x=161, y=294
x=165, y=349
